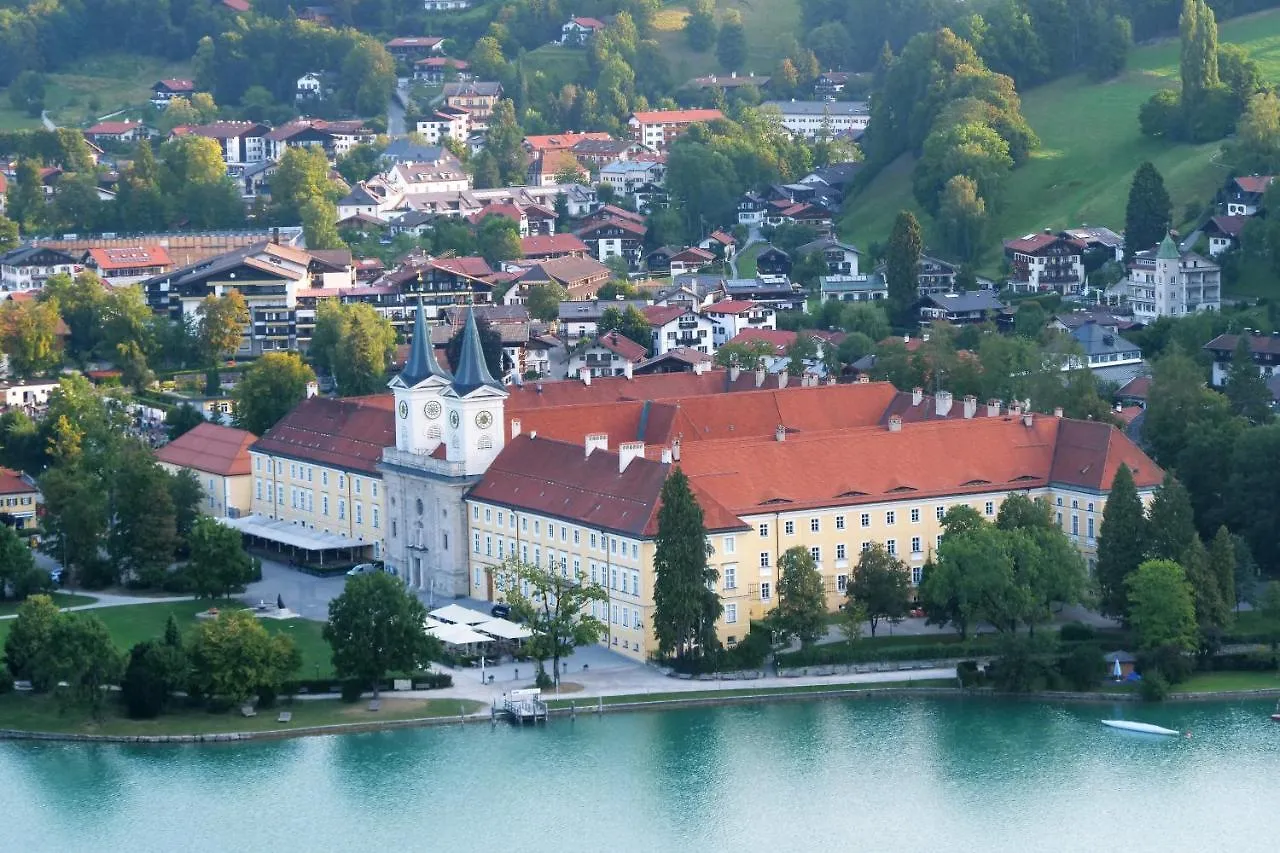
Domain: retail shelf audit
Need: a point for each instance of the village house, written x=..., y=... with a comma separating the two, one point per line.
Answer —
x=721, y=244
x=309, y=87
x=1108, y=355
x=117, y=132
x=29, y=267
x=657, y=129
x=1043, y=262
x=676, y=327
x=581, y=277
x=541, y=247
x=578, y=31
x=776, y=291
x=773, y=261
x=1170, y=282
x=218, y=457
x=852, y=288
x=727, y=83
x=19, y=502
x=120, y=266
x=165, y=91
x=809, y=118
x=597, y=153
x=411, y=48
x=478, y=98
x=628, y=177
x=1097, y=238
x=841, y=258
x=242, y=142
x=1242, y=196
x=435, y=69
x=830, y=83
x=610, y=354
x=580, y=319
x=335, y=138
x=959, y=309
x=28, y=396
x=446, y=5
x=731, y=317
x=614, y=236
x=445, y=123
x=689, y=260
x=1223, y=232
x=1263, y=349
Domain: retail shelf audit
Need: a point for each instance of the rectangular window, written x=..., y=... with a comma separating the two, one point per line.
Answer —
x=577, y=569
x=577, y=537
x=915, y=516
x=730, y=577
x=593, y=540
x=766, y=592
x=815, y=525
x=635, y=551
x=839, y=522
x=789, y=528
x=499, y=518
x=816, y=553
x=764, y=531
x=358, y=483
x=537, y=556
x=375, y=488
x=1090, y=522
x=324, y=504
x=342, y=481
x=537, y=528
x=990, y=508
x=258, y=485
x=842, y=583
x=731, y=613
x=342, y=510
x=764, y=559
x=324, y=478
x=488, y=545
x=613, y=544
x=613, y=579
x=915, y=544
x=889, y=517
x=1075, y=525
x=728, y=544
x=891, y=545
x=564, y=534
x=635, y=583
x=940, y=512
x=916, y=573
x=866, y=546
x=475, y=547
x=866, y=519
x=937, y=542
x=524, y=525
x=488, y=515
x=359, y=514
x=840, y=551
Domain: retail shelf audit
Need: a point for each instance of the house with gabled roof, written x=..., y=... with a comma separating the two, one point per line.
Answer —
x=1223, y=232
x=578, y=30
x=218, y=457
x=1242, y=196
x=166, y=90
x=610, y=354
x=1046, y=261
x=677, y=326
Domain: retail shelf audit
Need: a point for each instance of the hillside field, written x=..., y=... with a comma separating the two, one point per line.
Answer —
x=94, y=87
x=1090, y=147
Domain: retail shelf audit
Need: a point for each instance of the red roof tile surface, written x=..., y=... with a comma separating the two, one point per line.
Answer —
x=11, y=483
x=212, y=448
x=540, y=245
x=1254, y=183
x=677, y=116
x=348, y=432
x=131, y=257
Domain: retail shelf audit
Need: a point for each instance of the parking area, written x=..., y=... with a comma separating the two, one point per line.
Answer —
x=305, y=594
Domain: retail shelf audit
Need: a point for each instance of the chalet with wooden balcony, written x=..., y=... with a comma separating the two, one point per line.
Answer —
x=1045, y=262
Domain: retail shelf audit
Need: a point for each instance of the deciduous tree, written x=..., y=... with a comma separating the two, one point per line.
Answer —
x=364, y=352
x=31, y=633
x=1161, y=606
x=219, y=328
x=554, y=606
x=544, y=301
x=219, y=566
x=376, y=626
x=1248, y=392
x=80, y=654
x=269, y=389
x=234, y=657
x=802, y=600
x=700, y=26
x=28, y=336
x=881, y=586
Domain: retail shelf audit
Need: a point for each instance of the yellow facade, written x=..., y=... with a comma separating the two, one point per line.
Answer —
x=223, y=496
x=319, y=497
x=747, y=560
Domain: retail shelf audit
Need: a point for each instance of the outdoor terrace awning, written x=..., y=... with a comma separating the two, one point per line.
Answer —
x=294, y=535
x=458, y=635
x=503, y=629
x=459, y=615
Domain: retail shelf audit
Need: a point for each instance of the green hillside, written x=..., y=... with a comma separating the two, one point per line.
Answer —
x=1090, y=146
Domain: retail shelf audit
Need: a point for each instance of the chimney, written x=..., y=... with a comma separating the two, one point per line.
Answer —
x=1028, y=418
x=831, y=379
x=627, y=451
x=597, y=441
x=1057, y=411
x=970, y=406
x=313, y=388
x=1015, y=408
x=734, y=371
x=780, y=434
x=584, y=373
x=275, y=236
x=1119, y=408
x=701, y=367
x=864, y=379
x=917, y=395
x=895, y=423
x=783, y=377
x=627, y=368
x=942, y=403
x=666, y=456
x=515, y=428
x=675, y=449
x=993, y=408
x=760, y=377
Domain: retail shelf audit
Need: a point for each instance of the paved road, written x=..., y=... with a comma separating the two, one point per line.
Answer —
x=306, y=595
x=395, y=112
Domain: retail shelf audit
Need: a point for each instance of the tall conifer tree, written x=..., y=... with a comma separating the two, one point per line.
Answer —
x=1121, y=543
x=685, y=607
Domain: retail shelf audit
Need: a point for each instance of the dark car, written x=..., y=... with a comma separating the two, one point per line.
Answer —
x=500, y=611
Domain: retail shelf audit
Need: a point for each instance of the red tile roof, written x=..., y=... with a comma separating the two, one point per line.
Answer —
x=621, y=345
x=113, y=128
x=174, y=84
x=588, y=23
x=11, y=483
x=551, y=244
x=660, y=315
x=1254, y=183
x=779, y=339
x=677, y=116
x=212, y=448
x=1229, y=225
x=472, y=267
x=693, y=253
x=1138, y=387
x=1032, y=243
x=627, y=225
x=1257, y=344
x=561, y=141
x=347, y=433
x=236, y=5
x=130, y=258
x=730, y=306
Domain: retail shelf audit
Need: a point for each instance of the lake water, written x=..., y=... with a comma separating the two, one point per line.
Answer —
x=869, y=774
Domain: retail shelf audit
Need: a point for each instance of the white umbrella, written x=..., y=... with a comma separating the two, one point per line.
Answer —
x=1115, y=670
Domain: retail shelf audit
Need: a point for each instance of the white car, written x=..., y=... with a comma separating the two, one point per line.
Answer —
x=362, y=569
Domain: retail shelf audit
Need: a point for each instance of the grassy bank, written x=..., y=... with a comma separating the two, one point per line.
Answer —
x=768, y=23
x=62, y=599
x=739, y=692
x=1090, y=146
x=95, y=86
x=29, y=712
x=134, y=623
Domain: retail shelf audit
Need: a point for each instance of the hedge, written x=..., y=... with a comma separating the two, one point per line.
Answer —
x=420, y=681
x=984, y=645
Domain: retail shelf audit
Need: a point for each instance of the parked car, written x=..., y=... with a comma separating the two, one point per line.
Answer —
x=500, y=611
x=363, y=569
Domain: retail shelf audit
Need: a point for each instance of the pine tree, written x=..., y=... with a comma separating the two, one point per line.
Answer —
x=1211, y=611
x=685, y=609
x=172, y=635
x=902, y=267
x=1171, y=525
x=1249, y=395
x=1149, y=213
x=1222, y=565
x=1121, y=543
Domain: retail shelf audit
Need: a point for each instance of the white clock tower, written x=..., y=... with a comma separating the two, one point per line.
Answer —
x=474, y=430
x=420, y=413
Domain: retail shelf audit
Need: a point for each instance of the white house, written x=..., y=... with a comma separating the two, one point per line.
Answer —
x=1172, y=283
x=629, y=176
x=309, y=87
x=446, y=5
x=580, y=318
x=734, y=316
x=676, y=326
x=445, y=123
x=611, y=354
x=26, y=394
x=808, y=118
x=29, y=267
x=853, y=288
x=578, y=30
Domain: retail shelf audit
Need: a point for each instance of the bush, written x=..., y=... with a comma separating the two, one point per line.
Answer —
x=750, y=653
x=1082, y=667
x=154, y=672
x=1168, y=661
x=544, y=680
x=351, y=691
x=6, y=680
x=1155, y=687
x=1077, y=632
x=967, y=671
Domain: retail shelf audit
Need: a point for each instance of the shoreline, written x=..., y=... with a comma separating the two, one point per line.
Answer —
x=599, y=707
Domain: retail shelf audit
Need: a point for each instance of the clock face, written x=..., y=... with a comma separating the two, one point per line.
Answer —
x=404, y=409
x=454, y=420
x=483, y=420
x=432, y=409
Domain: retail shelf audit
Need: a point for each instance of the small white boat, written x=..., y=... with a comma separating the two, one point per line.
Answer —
x=1145, y=728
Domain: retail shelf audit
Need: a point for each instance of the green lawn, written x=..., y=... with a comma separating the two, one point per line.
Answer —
x=62, y=599
x=94, y=87
x=1214, y=682
x=1090, y=146
x=747, y=259
x=586, y=702
x=43, y=713
x=565, y=64
x=137, y=622
x=767, y=23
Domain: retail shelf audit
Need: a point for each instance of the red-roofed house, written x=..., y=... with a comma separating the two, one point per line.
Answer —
x=242, y=142
x=614, y=237
x=117, y=131
x=676, y=326
x=414, y=47
x=732, y=317
x=218, y=457
x=689, y=260
x=540, y=247
x=659, y=128
x=165, y=91
x=1242, y=195
x=1223, y=232
x=118, y=266
x=1046, y=261
x=19, y=498
x=560, y=141
x=611, y=354
x=578, y=30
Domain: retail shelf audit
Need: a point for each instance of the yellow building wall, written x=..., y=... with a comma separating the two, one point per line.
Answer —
x=220, y=495
x=320, y=497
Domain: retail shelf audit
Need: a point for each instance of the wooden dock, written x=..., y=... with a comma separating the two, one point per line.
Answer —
x=525, y=706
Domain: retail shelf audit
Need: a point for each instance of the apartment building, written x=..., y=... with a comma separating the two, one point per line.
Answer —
x=657, y=129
